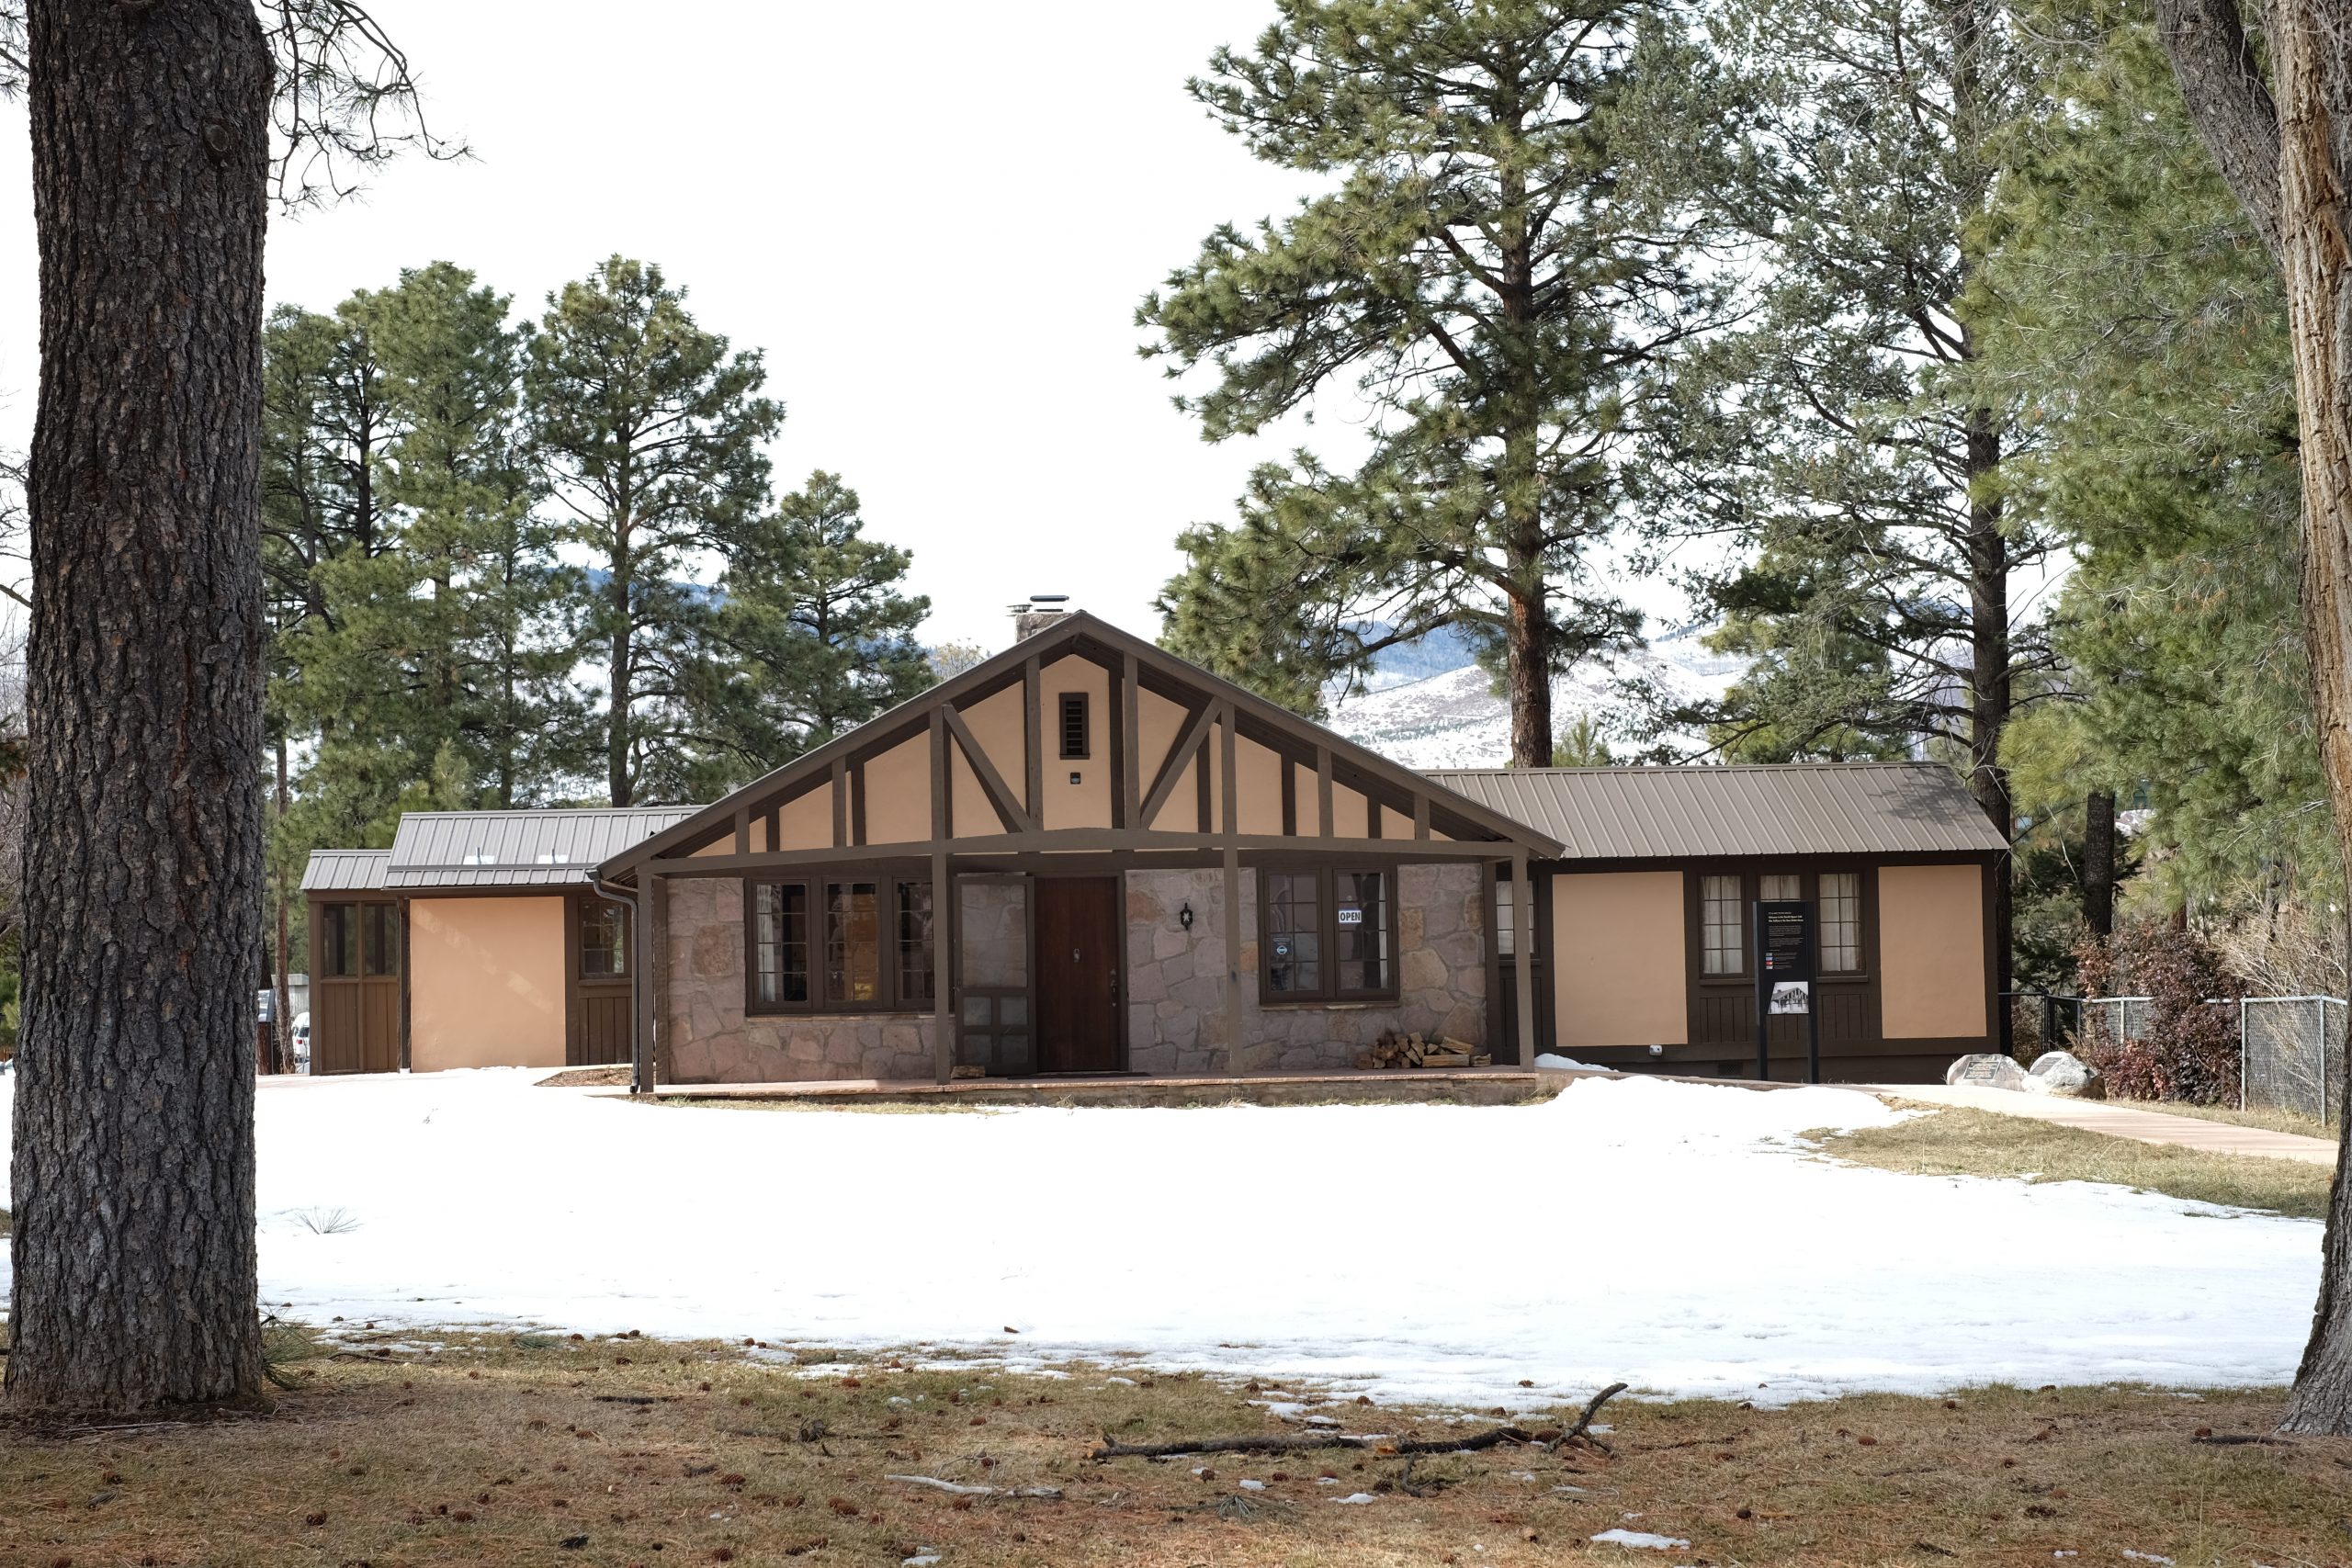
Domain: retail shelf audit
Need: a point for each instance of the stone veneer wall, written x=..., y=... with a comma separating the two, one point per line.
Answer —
x=1175, y=989
x=712, y=1040
x=1176, y=977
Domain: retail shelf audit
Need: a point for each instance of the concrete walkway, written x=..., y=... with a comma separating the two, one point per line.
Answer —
x=2123, y=1122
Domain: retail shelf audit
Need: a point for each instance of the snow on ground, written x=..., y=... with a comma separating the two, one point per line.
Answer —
x=1674, y=1235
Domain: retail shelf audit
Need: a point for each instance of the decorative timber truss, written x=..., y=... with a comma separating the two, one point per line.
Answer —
x=1081, y=748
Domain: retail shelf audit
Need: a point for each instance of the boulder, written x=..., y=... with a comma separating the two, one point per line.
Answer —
x=2063, y=1072
x=1987, y=1069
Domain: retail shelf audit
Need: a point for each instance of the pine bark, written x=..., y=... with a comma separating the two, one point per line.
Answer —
x=133, y=1247
x=2285, y=148
x=2098, y=862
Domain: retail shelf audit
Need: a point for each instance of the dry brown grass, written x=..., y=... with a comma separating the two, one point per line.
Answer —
x=1954, y=1141
x=619, y=1452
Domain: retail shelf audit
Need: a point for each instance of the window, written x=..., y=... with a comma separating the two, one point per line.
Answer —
x=1073, y=726
x=1776, y=887
x=380, y=940
x=914, y=981
x=1506, y=922
x=338, y=941
x=845, y=943
x=1722, y=943
x=1841, y=922
x=603, y=939
x=852, y=943
x=1293, y=934
x=1360, y=921
x=779, y=944
x=1328, y=935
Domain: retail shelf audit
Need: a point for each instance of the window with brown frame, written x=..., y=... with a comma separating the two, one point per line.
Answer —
x=1328, y=935
x=1723, y=935
x=1840, y=914
x=338, y=941
x=846, y=941
x=356, y=941
x=603, y=939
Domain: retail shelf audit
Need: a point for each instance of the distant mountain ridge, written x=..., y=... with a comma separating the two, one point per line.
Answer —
x=1428, y=705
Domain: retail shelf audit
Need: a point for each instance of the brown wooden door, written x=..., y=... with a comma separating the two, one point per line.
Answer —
x=1078, y=974
x=355, y=987
x=603, y=1010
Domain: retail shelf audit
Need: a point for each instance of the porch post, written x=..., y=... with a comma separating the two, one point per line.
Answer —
x=641, y=932
x=943, y=968
x=1522, y=947
x=1229, y=773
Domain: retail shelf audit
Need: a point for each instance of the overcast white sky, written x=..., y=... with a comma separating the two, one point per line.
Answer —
x=937, y=220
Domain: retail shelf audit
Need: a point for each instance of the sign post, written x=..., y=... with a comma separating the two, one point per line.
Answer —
x=1784, y=979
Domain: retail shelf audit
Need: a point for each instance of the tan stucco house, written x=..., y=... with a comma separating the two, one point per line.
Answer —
x=1085, y=855
x=477, y=939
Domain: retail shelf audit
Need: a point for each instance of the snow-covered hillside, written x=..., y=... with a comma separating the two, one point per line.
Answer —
x=1453, y=719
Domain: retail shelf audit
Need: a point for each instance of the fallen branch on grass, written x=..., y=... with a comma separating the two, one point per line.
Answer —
x=1050, y=1494
x=1293, y=1442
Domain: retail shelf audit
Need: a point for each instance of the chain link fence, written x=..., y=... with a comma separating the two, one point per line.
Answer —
x=2289, y=1048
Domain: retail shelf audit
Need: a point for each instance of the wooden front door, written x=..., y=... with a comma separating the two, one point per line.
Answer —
x=1077, y=963
x=355, y=987
x=599, y=1031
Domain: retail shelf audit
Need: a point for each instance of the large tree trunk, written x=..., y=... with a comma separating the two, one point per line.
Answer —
x=133, y=1249
x=2312, y=51
x=2098, y=862
x=1990, y=697
x=1530, y=675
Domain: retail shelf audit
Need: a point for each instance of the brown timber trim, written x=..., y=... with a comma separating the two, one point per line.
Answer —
x=840, y=805
x=1323, y=824
x=404, y=1001
x=857, y=802
x=942, y=989
x=1229, y=771
x=1011, y=814
x=1290, y=798
x=1421, y=816
x=1130, y=749
x=1045, y=850
x=1486, y=881
x=1033, y=739
x=1186, y=746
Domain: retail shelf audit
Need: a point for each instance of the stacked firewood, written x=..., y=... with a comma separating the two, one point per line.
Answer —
x=1396, y=1050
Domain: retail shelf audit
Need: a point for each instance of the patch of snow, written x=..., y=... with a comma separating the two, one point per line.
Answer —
x=1453, y=718
x=1741, y=1261
x=2146, y=1557
x=1356, y=1497
x=1640, y=1537
x=1249, y=1485
x=1557, y=1063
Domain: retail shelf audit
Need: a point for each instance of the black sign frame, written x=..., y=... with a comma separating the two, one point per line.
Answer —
x=1784, y=951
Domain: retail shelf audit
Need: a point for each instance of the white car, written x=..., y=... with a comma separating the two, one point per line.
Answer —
x=302, y=1042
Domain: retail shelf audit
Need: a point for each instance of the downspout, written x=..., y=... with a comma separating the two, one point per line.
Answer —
x=641, y=980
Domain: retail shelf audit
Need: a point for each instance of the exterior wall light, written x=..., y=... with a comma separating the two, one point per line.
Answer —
x=1184, y=915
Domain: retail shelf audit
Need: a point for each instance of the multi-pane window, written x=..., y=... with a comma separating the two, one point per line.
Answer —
x=603, y=939
x=1779, y=886
x=1360, y=921
x=779, y=944
x=356, y=940
x=852, y=943
x=1328, y=935
x=1295, y=932
x=1722, y=943
x=1506, y=922
x=1841, y=922
x=862, y=943
x=914, y=945
x=1073, y=725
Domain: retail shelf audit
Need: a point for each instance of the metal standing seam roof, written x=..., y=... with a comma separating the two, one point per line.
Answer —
x=345, y=871
x=1791, y=808
x=549, y=847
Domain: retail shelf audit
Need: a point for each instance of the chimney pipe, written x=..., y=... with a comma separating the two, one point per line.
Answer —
x=1040, y=611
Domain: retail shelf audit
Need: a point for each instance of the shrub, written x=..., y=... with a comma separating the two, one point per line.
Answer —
x=2186, y=1048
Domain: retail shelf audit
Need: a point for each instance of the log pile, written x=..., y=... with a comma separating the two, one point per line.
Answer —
x=1396, y=1050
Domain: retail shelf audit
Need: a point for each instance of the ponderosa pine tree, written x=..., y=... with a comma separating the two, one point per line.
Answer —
x=813, y=636
x=1845, y=148
x=133, y=1249
x=649, y=433
x=1480, y=279
x=2276, y=136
